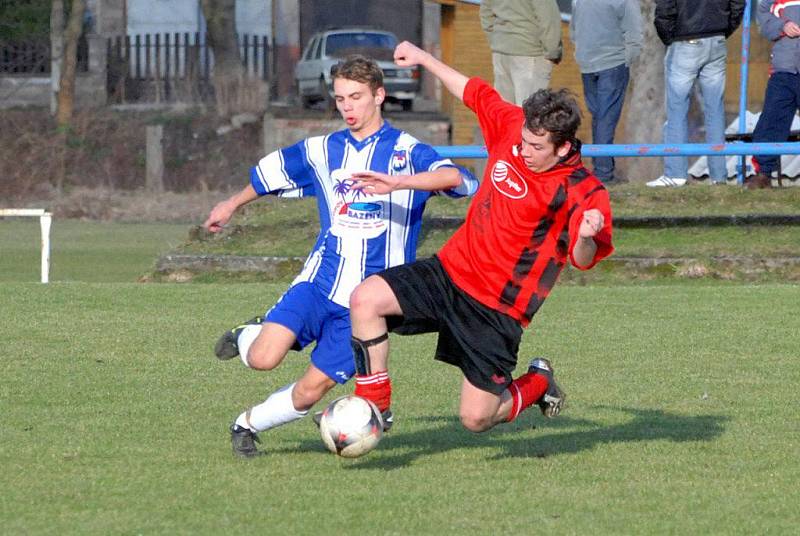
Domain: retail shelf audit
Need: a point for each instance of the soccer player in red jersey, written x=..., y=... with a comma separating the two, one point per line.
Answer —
x=537, y=208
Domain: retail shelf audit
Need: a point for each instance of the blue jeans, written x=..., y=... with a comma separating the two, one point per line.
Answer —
x=686, y=61
x=604, y=92
x=781, y=100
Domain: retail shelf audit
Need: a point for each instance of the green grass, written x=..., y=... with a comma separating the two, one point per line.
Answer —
x=682, y=419
x=700, y=199
x=281, y=227
x=85, y=250
x=289, y=227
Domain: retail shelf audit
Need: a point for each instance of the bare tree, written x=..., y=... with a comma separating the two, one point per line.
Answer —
x=66, y=91
x=645, y=116
x=234, y=92
x=56, y=51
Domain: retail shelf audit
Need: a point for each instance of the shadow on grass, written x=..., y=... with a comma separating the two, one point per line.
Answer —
x=446, y=433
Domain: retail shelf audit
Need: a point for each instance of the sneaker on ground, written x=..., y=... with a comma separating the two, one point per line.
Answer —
x=552, y=401
x=227, y=346
x=243, y=442
x=666, y=181
x=388, y=419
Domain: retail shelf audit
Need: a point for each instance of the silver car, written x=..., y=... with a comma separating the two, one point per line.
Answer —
x=325, y=49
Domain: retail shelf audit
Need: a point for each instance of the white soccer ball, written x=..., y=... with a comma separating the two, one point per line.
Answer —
x=351, y=426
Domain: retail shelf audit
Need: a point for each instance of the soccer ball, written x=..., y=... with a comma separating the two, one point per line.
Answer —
x=351, y=426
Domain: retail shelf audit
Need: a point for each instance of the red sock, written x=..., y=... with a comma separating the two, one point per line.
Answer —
x=525, y=391
x=376, y=388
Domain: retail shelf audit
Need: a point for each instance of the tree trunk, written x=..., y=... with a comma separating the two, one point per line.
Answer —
x=56, y=51
x=66, y=92
x=645, y=116
x=231, y=91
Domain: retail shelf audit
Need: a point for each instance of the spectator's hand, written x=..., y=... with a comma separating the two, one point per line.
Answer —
x=375, y=183
x=408, y=54
x=593, y=221
x=220, y=215
x=791, y=29
x=555, y=61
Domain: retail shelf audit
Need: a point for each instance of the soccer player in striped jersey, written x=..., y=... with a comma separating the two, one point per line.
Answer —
x=363, y=229
x=537, y=208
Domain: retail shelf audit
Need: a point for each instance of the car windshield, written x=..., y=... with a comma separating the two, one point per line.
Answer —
x=378, y=46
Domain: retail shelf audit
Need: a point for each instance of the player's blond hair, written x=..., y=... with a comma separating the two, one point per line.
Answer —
x=359, y=69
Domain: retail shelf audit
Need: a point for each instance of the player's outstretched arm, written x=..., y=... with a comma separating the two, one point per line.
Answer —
x=374, y=182
x=585, y=248
x=409, y=55
x=223, y=211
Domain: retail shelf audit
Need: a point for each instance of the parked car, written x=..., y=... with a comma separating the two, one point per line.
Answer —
x=325, y=49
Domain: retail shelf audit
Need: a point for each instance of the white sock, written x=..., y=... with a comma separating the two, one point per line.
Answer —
x=275, y=411
x=246, y=338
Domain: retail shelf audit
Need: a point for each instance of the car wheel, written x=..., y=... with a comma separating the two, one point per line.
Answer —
x=330, y=102
x=305, y=100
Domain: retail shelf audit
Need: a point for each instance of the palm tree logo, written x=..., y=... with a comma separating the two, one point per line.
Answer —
x=342, y=187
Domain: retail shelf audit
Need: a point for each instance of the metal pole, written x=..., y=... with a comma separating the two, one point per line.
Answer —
x=742, y=168
x=44, y=222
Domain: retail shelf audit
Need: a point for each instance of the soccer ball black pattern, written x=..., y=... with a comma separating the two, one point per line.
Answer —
x=351, y=426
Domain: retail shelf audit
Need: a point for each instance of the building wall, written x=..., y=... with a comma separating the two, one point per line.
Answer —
x=163, y=16
x=253, y=17
x=401, y=17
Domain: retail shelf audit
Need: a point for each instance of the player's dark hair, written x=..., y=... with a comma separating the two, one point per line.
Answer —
x=555, y=112
x=360, y=69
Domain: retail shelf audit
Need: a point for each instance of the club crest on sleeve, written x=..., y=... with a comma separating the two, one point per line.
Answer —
x=507, y=181
x=399, y=159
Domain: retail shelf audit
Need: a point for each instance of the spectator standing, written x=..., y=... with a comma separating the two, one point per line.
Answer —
x=779, y=22
x=525, y=38
x=694, y=32
x=608, y=37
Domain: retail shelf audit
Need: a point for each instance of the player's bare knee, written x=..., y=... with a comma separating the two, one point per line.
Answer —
x=263, y=358
x=362, y=301
x=305, y=396
x=476, y=422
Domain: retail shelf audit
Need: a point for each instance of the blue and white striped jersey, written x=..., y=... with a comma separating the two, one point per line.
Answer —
x=360, y=234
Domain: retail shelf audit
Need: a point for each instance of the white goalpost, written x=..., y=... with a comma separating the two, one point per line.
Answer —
x=45, y=219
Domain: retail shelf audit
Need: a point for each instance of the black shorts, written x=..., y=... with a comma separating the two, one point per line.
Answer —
x=482, y=342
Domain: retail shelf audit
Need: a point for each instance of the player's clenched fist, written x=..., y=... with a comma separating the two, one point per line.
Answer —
x=408, y=55
x=592, y=222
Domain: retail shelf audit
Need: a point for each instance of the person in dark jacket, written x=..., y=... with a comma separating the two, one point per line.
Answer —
x=694, y=32
x=779, y=21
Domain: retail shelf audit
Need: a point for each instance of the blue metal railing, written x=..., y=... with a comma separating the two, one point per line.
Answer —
x=647, y=149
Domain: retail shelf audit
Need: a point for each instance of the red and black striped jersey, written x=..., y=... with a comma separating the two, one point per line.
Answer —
x=521, y=226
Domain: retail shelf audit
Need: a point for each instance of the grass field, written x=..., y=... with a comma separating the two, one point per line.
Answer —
x=85, y=250
x=682, y=419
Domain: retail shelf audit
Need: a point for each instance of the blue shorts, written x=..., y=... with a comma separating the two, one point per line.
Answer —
x=311, y=316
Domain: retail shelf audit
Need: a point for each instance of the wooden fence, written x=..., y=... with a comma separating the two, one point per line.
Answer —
x=32, y=56
x=174, y=66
